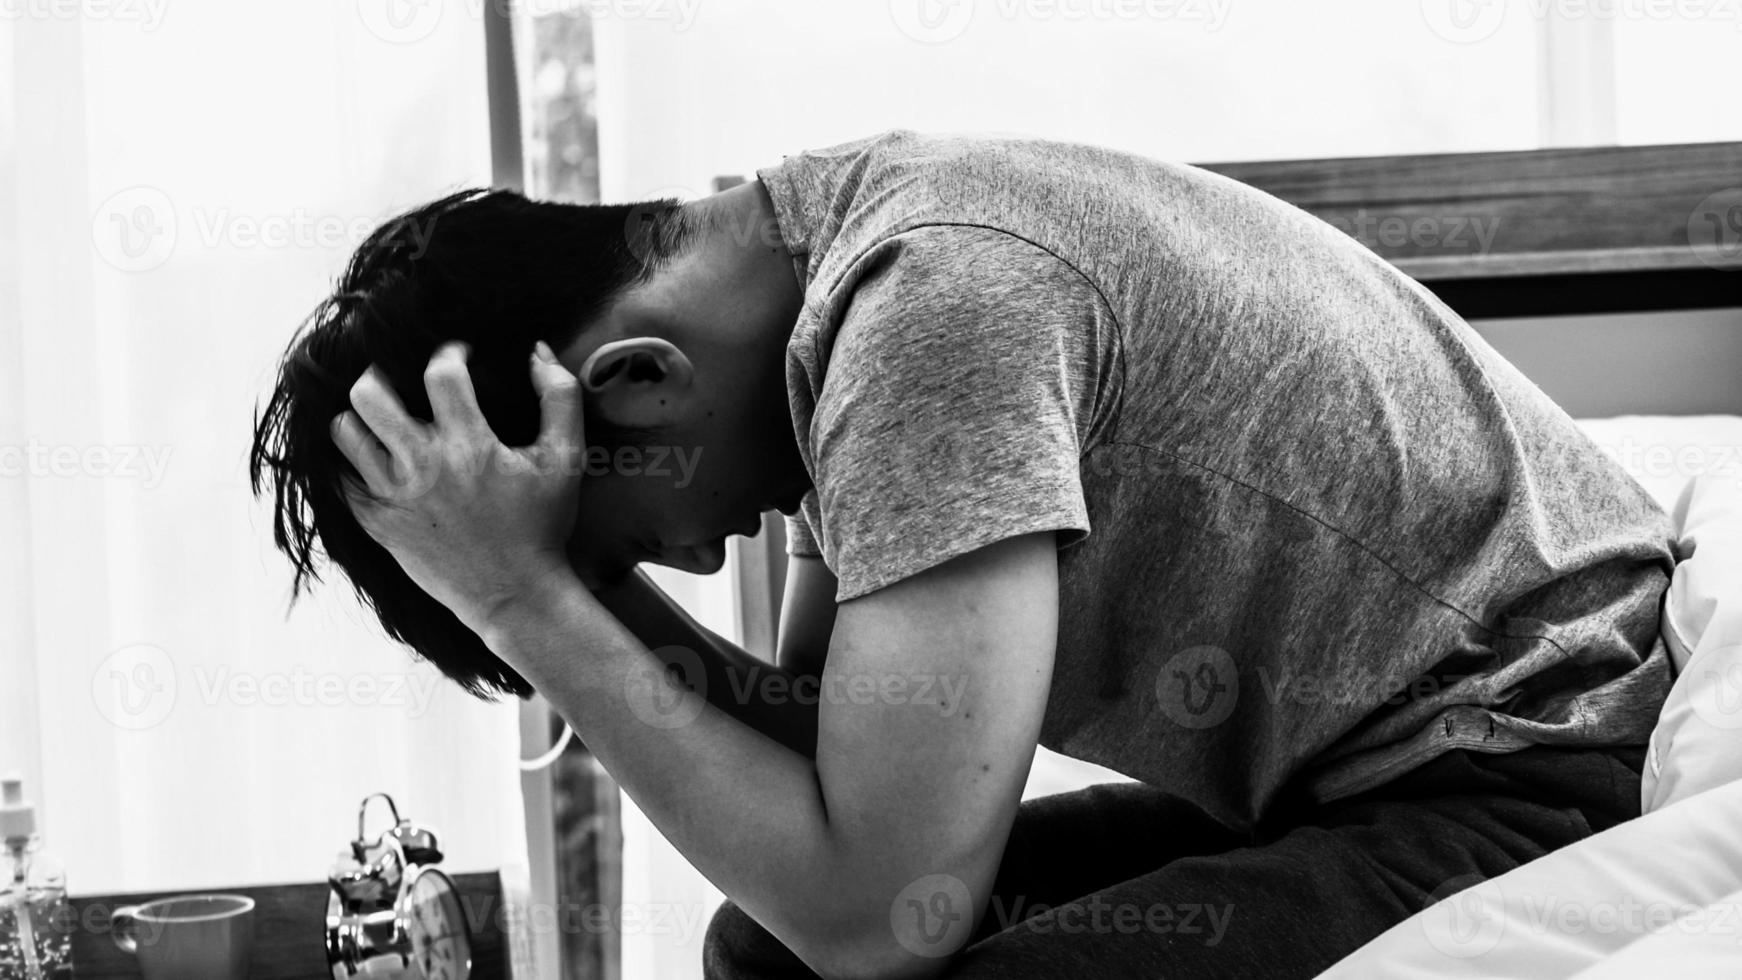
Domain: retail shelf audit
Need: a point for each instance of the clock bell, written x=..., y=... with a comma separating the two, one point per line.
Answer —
x=390, y=912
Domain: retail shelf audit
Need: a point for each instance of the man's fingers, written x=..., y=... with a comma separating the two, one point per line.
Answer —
x=378, y=405
x=365, y=452
x=452, y=399
x=562, y=421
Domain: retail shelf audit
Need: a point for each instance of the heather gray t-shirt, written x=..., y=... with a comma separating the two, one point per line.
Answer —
x=1313, y=530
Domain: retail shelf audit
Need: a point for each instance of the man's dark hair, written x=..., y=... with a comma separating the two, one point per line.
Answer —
x=493, y=269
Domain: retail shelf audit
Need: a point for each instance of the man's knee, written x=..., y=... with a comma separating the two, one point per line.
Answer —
x=736, y=946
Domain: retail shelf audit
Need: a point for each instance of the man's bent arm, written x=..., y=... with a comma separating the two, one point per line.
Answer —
x=931, y=705
x=760, y=694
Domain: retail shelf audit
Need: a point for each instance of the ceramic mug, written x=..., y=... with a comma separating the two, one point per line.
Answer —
x=188, y=937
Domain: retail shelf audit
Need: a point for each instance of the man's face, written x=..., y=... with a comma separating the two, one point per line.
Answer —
x=673, y=499
x=723, y=453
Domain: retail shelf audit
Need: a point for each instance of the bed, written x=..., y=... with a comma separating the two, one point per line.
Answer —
x=1573, y=243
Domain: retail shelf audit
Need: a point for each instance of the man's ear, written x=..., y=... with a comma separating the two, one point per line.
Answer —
x=638, y=382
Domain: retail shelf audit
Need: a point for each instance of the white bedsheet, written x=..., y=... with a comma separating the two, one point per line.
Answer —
x=1574, y=909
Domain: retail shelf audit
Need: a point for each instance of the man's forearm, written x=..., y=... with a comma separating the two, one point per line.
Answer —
x=762, y=695
x=744, y=809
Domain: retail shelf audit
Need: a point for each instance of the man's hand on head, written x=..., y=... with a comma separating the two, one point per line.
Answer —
x=473, y=522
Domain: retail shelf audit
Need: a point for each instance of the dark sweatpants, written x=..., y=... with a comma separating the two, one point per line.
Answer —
x=1129, y=882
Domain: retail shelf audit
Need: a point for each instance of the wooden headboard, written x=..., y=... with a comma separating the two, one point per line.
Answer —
x=1538, y=232
x=1607, y=229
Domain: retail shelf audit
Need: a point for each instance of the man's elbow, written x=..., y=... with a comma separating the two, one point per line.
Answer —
x=872, y=958
x=886, y=943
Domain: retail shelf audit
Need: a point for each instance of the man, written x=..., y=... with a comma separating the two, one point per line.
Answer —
x=1078, y=449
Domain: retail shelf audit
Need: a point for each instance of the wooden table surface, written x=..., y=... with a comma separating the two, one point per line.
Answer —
x=289, y=930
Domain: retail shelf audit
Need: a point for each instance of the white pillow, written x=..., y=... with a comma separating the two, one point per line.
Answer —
x=1698, y=740
x=1692, y=465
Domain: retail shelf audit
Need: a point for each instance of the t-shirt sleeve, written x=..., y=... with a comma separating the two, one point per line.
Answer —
x=800, y=540
x=959, y=393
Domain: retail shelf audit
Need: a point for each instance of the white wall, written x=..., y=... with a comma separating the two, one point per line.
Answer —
x=1685, y=362
x=693, y=88
x=750, y=80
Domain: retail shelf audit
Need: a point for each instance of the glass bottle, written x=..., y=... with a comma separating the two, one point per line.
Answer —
x=35, y=920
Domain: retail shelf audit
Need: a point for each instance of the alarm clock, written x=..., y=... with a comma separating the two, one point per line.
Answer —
x=390, y=912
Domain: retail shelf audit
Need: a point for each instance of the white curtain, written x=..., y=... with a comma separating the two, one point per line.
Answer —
x=178, y=185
